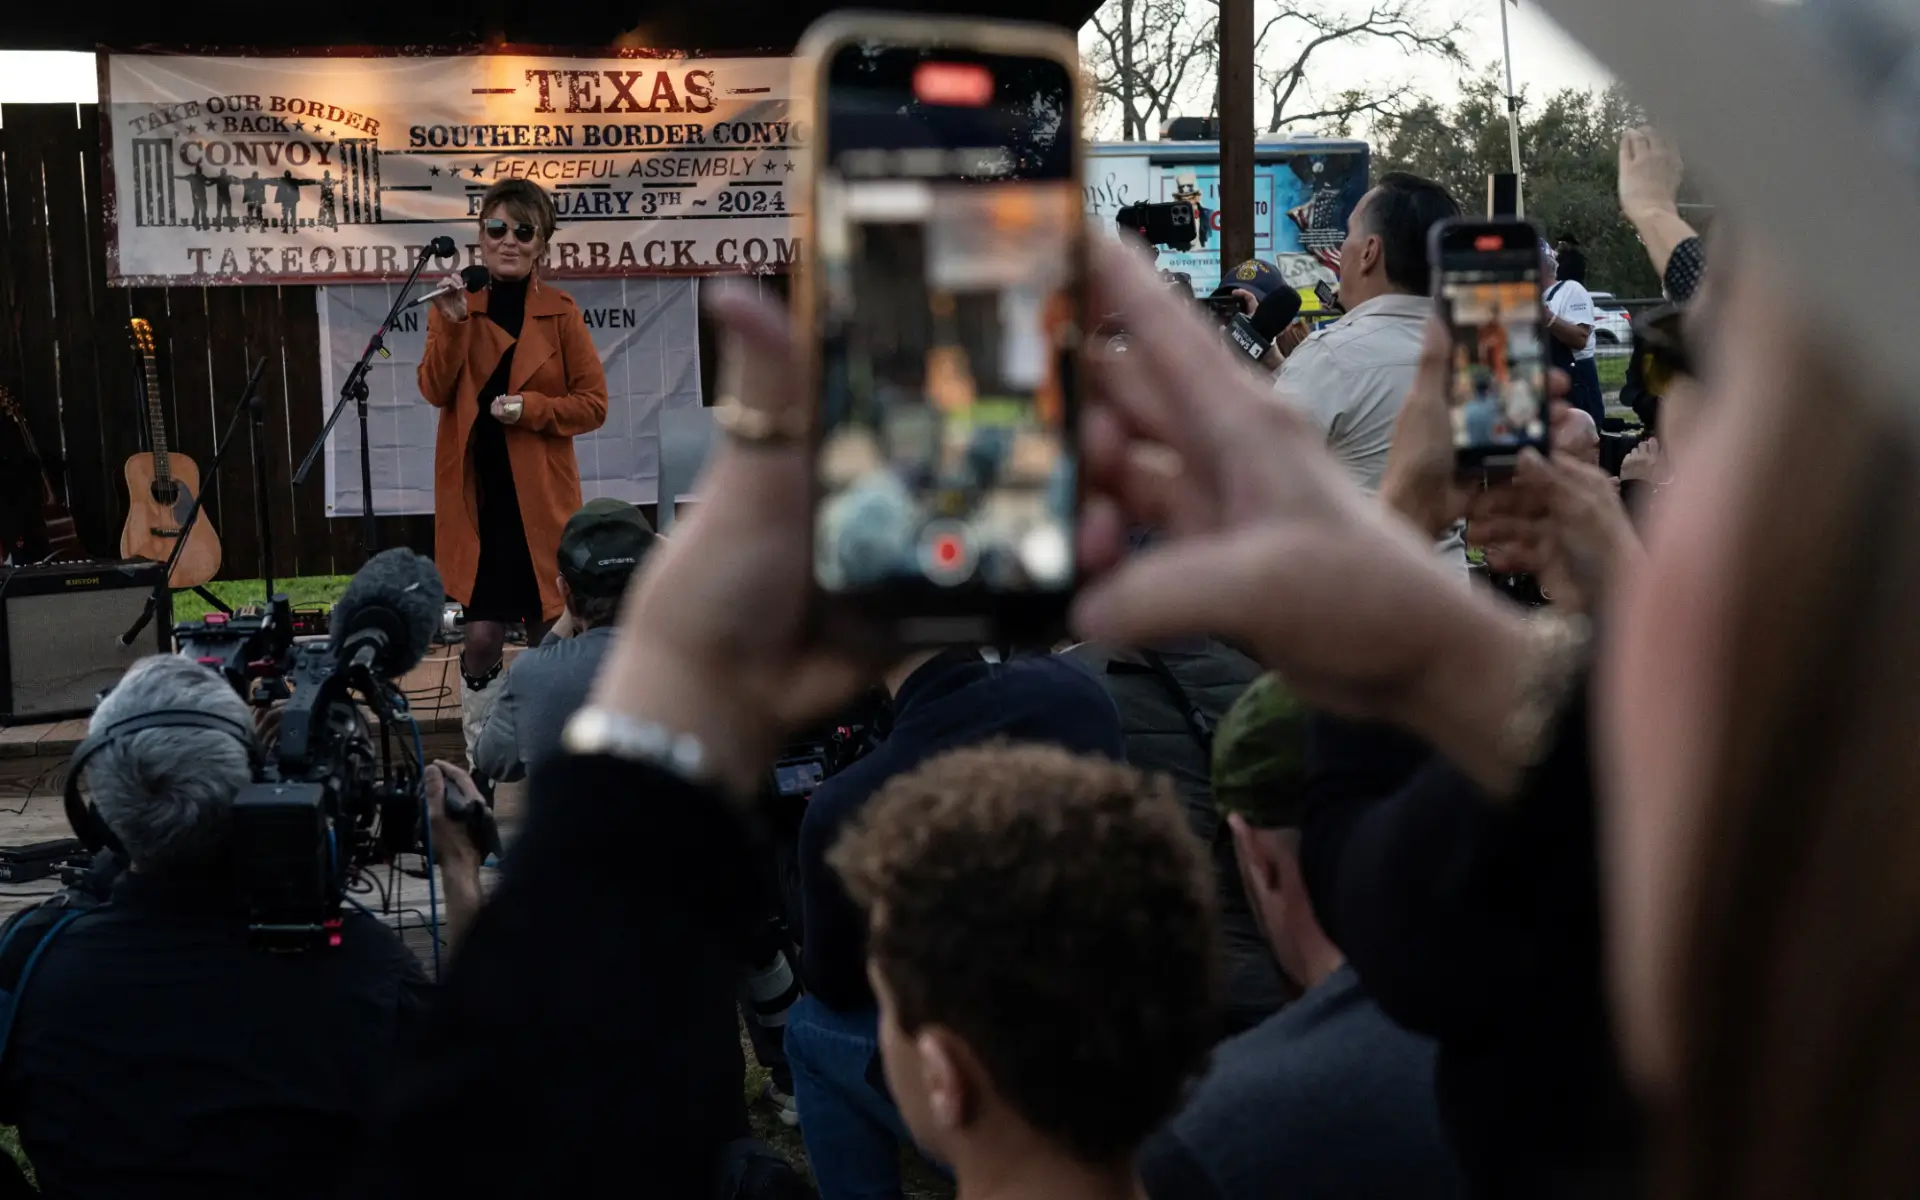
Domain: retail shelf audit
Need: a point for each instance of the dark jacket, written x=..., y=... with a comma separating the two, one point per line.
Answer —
x=956, y=700
x=544, y=687
x=1324, y=1101
x=1479, y=926
x=1157, y=721
x=156, y=1053
x=591, y=1009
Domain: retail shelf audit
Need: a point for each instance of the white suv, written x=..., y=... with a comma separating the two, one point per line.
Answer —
x=1612, y=324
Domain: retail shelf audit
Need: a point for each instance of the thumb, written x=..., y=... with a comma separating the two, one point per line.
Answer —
x=436, y=785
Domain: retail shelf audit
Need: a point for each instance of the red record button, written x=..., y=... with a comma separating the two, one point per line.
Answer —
x=946, y=554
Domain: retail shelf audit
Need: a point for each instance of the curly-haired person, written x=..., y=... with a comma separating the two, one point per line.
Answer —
x=1042, y=933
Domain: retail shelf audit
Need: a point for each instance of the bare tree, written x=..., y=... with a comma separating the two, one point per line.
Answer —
x=1146, y=54
x=1314, y=25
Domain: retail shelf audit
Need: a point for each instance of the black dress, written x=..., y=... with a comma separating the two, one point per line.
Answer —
x=504, y=586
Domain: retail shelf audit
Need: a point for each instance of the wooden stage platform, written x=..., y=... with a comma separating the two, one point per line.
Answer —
x=33, y=763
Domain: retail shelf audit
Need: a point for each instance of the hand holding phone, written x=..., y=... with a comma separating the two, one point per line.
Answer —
x=1487, y=278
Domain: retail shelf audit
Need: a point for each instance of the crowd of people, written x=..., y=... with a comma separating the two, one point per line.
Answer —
x=1313, y=869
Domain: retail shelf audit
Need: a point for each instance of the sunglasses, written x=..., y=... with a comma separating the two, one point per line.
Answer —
x=496, y=230
x=1660, y=350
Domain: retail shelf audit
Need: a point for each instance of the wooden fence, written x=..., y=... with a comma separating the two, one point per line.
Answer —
x=65, y=352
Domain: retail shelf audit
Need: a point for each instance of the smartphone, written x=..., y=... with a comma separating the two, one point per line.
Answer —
x=940, y=308
x=1329, y=298
x=1486, y=278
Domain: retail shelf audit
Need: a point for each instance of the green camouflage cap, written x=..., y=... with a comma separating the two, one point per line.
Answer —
x=1260, y=756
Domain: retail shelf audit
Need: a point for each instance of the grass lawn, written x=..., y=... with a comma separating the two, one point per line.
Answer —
x=305, y=591
x=1613, y=372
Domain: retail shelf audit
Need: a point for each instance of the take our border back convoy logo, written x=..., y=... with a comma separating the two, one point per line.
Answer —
x=310, y=169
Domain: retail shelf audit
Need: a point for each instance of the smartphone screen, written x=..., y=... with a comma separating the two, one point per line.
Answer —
x=1487, y=275
x=947, y=260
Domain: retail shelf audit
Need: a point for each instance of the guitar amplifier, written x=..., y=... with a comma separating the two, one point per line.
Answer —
x=60, y=627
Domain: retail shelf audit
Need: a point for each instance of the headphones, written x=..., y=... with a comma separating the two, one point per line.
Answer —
x=88, y=825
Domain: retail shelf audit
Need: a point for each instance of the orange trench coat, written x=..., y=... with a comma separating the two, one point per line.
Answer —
x=557, y=371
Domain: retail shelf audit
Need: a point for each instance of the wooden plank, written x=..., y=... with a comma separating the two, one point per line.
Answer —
x=61, y=738
x=265, y=339
x=90, y=477
x=304, y=413
x=186, y=387
x=121, y=418
x=18, y=741
x=30, y=282
x=229, y=340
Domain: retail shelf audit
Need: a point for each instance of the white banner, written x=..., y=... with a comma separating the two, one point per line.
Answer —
x=340, y=168
x=647, y=334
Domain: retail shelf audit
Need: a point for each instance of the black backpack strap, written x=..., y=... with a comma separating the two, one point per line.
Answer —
x=1198, y=721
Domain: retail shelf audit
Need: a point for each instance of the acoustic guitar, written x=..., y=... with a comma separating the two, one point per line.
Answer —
x=160, y=491
x=57, y=540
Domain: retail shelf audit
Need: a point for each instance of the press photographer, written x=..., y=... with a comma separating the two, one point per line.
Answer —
x=187, y=1037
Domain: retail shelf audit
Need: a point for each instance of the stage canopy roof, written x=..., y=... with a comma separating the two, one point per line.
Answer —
x=713, y=25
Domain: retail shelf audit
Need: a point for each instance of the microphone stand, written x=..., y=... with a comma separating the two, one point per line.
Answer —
x=249, y=401
x=355, y=389
x=257, y=415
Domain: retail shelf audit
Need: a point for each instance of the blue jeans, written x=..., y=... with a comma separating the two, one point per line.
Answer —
x=853, y=1132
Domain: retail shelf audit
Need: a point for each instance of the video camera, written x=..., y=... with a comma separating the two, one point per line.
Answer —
x=817, y=754
x=1170, y=223
x=333, y=795
x=253, y=651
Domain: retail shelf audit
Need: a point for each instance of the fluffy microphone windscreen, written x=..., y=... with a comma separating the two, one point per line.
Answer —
x=399, y=593
x=1276, y=312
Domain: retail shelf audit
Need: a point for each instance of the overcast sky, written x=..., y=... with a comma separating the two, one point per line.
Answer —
x=1544, y=60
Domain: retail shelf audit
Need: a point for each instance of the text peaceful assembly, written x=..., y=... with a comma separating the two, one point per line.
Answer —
x=335, y=169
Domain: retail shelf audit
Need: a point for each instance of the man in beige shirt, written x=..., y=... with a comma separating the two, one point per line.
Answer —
x=1351, y=377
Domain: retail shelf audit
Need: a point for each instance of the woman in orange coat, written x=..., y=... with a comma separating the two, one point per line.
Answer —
x=516, y=378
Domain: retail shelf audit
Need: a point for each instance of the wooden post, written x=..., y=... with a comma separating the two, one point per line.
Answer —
x=1236, y=134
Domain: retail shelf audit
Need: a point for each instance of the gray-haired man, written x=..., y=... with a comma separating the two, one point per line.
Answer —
x=155, y=1051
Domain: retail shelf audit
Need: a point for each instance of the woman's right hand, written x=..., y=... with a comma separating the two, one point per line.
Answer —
x=453, y=304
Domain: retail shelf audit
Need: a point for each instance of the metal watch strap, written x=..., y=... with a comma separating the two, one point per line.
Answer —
x=598, y=731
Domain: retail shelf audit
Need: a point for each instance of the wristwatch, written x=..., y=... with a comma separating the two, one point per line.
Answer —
x=600, y=731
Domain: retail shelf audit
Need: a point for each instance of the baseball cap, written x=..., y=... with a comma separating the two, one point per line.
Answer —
x=601, y=546
x=1260, y=756
x=1256, y=275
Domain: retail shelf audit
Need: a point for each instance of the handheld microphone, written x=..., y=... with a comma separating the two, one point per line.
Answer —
x=1253, y=335
x=386, y=618
x=472, y=278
